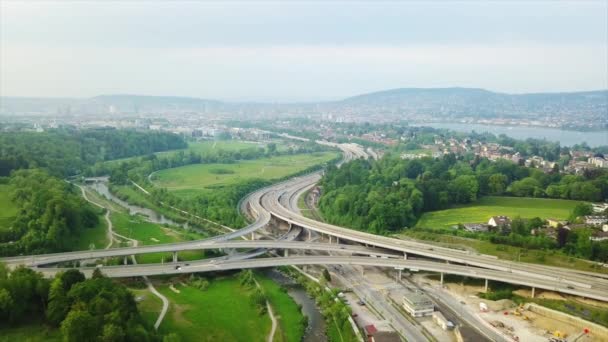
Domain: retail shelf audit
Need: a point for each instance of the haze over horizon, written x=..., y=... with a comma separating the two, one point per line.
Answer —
x=299, y=51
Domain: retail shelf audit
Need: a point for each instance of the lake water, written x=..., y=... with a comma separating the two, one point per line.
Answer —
x=564, y=137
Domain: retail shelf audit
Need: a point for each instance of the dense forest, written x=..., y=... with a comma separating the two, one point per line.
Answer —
x=391, y=193
x=51, y=214
x=66, y=152
x=95, y=309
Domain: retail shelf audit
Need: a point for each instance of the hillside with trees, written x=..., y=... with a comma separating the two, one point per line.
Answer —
x=392, y=193
x=51, y=214
x=67, y=152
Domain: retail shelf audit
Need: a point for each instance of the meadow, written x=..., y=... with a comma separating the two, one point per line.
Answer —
x=223, y=312
x=8, y=210
x=201, y=177
x=92, y=238
x=135, y=227
x=489, y=206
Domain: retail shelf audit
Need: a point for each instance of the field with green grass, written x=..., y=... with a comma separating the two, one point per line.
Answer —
x=135, y=227
x=489, y=206
x=93, y=238
x=8, y=210
x=33, y=332
x=223, y=312
x=148, y=304
x=202, y=177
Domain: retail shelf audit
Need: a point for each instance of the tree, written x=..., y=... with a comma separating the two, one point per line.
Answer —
x=326, y=275
x=525, y=187
x=79, y=326
x=497, y=184
x=113, y=333
x=59, y=304
x=463, y=189
x=272, y=148
x=580, y=209
x=6, y=304
x=562, y=237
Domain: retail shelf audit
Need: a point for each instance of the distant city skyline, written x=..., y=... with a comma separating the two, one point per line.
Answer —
x=300, y=51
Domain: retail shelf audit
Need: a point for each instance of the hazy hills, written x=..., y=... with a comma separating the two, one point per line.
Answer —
x=399, y=103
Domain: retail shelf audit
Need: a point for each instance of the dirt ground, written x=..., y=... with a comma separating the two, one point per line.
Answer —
x=535, y=328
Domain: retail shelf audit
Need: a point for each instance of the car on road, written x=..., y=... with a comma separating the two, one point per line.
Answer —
x=361, y=302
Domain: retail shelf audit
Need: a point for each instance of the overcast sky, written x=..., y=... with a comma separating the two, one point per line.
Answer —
x=295, y=51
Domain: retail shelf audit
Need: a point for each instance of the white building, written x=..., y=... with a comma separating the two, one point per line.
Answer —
x=418, y=304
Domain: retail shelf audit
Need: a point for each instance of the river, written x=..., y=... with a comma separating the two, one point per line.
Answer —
x=152, y=216
x=315, y=331
x=564, y=137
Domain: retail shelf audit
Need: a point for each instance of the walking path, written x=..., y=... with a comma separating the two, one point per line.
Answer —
x=110, y=232
x=135, y=243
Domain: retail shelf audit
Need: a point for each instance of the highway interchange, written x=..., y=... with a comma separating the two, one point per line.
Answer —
x=278, y=203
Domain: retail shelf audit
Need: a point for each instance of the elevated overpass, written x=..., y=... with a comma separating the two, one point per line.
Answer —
x=398, y=264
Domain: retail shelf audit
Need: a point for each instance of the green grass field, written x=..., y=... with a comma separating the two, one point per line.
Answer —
x=489, y=206
x=93, y=238
x=202, y=177
x=223, y=312
x=8, y=210
x=33, y=332
x=148, y=304
x=147, y=233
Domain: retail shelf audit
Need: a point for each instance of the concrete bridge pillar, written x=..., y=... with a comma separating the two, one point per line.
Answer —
x=398, y=275
x=174, y=256
x=533, y=290
x=330, y=239
x=309, y=234
x=125, y=260
x=252, y=235
x=485, y=289
x=404, y=256
x=337, y=240
x=441, y=279
x=286, y=253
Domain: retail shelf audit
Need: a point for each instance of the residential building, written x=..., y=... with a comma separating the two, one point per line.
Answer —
x=595, y=220
x=476, y=227
x=598, y=162
x=599, y=207
x=556, y=223
x=499, y=221
x=599, y=236
x=418, y=304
